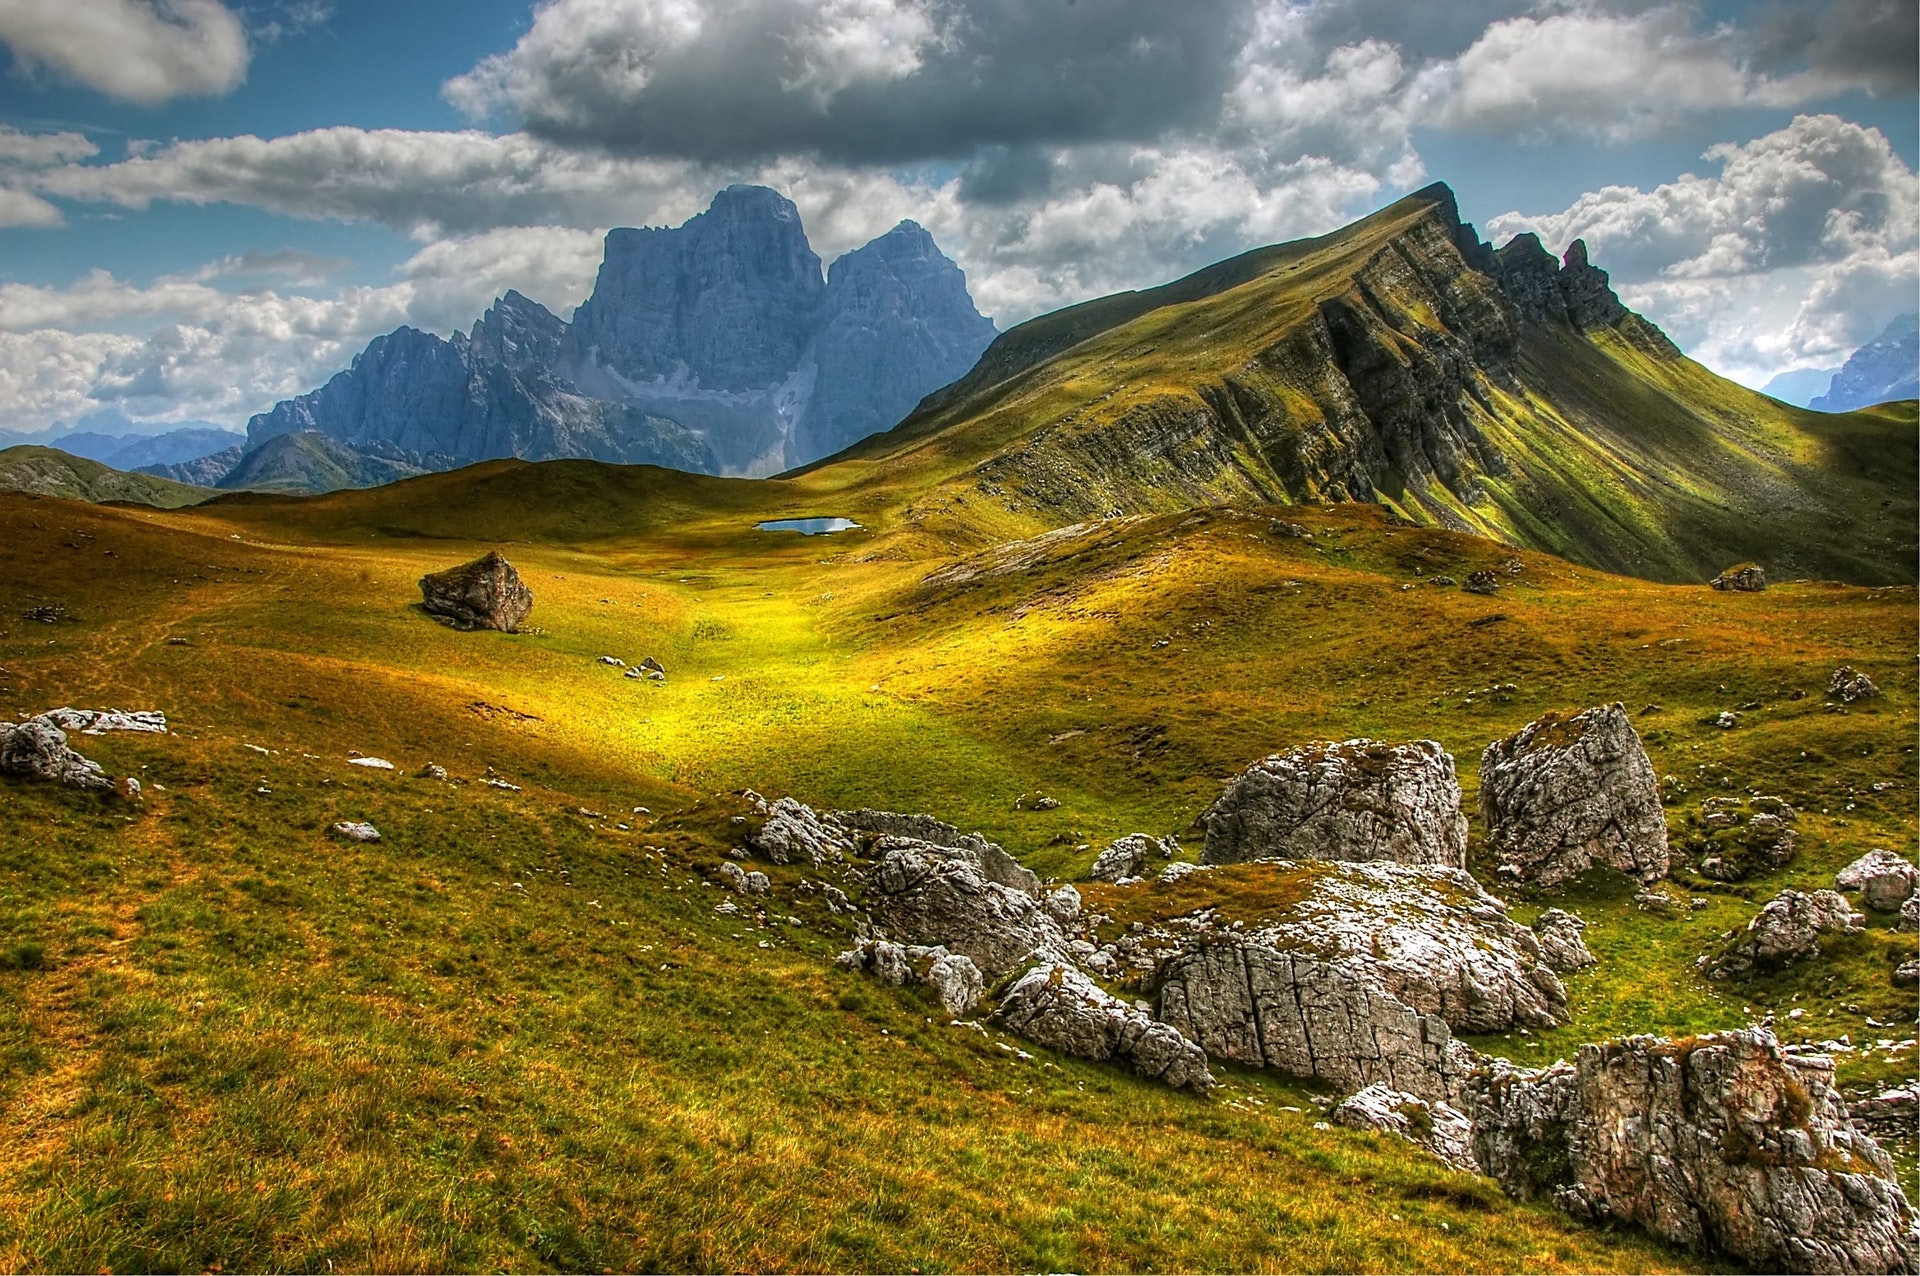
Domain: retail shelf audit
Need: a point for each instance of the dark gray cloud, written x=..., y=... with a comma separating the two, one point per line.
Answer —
x=1872, y=44
x=861, y=81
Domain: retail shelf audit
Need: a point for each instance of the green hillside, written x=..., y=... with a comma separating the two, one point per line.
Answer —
x=309, y=461
x=1377, y=363
x=51, y=472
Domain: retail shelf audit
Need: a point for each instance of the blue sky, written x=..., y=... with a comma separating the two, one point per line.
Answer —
x=207, y=205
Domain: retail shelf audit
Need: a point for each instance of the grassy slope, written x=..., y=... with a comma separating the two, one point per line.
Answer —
x=1622, y=460
x=225, y=1037
x=51, y=472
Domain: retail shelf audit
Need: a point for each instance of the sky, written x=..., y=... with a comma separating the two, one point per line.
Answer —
x=207, y=206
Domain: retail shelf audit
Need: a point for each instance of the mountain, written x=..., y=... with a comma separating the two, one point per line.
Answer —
x=1885, y=369
x=308, y=461
x=717, y=346
x=1403, y=361
x=1800, y=386
x=50, y=472
x=132, y=450
x=201, y=471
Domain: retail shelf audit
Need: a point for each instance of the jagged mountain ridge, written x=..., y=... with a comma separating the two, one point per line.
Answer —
x=1886, y=368
x=1401, y=360
x=717, y=346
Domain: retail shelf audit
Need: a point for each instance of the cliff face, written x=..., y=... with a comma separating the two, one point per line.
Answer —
x=715, y=346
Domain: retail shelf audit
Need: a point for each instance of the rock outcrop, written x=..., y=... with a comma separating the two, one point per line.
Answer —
x=1884, y=880
x=933, y=895
x=952, y=978
x=1359, y=800
x=1437, y=1126
x=1849, y=684
x=791, y=832
x=1722, y=1143
x=484, y=594
x=1130, y=856
x=101, y=721
x=1057, y=1006
x=38, y=749
x=1787, y=929
x=1563, y=944
x=989, y=857
x=1741, y=578
x=1565, y=793
x=1309, y=1017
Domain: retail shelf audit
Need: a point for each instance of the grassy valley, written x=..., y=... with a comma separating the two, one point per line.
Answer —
x=516, y=1033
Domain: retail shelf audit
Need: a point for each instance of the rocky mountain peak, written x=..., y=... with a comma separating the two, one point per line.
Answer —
x=519, y=332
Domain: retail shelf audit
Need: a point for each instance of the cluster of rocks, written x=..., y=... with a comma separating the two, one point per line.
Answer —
x=1848, y=685
x=1884, y=881
x=1741, y=578
x=953, y=978
x=1057, y=1006
x=101, y=721
x=484, y=594
x=1734, y=837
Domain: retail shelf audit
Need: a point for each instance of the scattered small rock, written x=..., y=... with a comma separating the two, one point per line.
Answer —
x=432, y=771
x=372, y=764
x=356, y=831
x=1735, y=838
x=1291, y=531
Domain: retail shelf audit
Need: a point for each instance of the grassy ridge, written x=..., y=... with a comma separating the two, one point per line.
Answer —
x=225, y=1036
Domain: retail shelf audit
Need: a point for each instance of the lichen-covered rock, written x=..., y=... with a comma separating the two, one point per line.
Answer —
x=792, y=833
x=953, y=978
x=1786, y=930
x=484, y=594
x=1735, y=838
x=1309, y=1017
x=1359, y=800
x=1849, y=684
x=1563, y=945
x=935, y=895
x=989, y=857
x=1741, y=578
x=1128, y=856
x=1437, y=1126
x=1720, y=1143
x=1056, y=1006
x=1565, y=793
x=1884, y=880
x=38, y=748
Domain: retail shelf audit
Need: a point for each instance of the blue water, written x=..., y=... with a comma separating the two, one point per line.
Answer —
x=806, y=526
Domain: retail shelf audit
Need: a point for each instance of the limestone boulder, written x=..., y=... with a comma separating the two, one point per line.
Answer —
x=1786, y=930
x=791, y=832
x=1056, y=1006
x=38, y=749
x=1741, y=578
x=1724, y=1144
x=1437, y=1126
x=952, y=977
x=1130, y=856
x=1358, y=800
x=1884, y=880
x=484, y=594
x=994, y=863
x=1567, y=792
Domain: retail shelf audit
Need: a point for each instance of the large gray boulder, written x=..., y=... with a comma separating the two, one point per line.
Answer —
x=1130, y=856
x=925, y=894
x=1565, y=793
x=37, y=748
x=1786, y=930
x=1058, y=1007
x=484, y=594
x=1309, y=1017
x=1884, y=880
x=1358, y=800
x=1439, y=1127
x=1722, y=1143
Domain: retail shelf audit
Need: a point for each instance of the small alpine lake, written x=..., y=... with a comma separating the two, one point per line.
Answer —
x=807, y=526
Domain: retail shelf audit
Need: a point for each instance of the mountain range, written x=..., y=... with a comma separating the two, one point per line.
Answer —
x=718, y=347
x=1886, y=368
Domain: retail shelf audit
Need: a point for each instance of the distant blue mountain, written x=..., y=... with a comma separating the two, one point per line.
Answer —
x=1888, y=367
x=1800, y=386
x=718, y=345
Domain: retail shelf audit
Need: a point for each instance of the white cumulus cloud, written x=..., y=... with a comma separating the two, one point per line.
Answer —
x=141, y=51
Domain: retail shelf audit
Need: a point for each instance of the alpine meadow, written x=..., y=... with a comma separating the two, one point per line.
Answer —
x=1326, y=737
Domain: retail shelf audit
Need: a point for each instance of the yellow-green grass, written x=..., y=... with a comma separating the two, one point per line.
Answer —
x=225, y=1036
